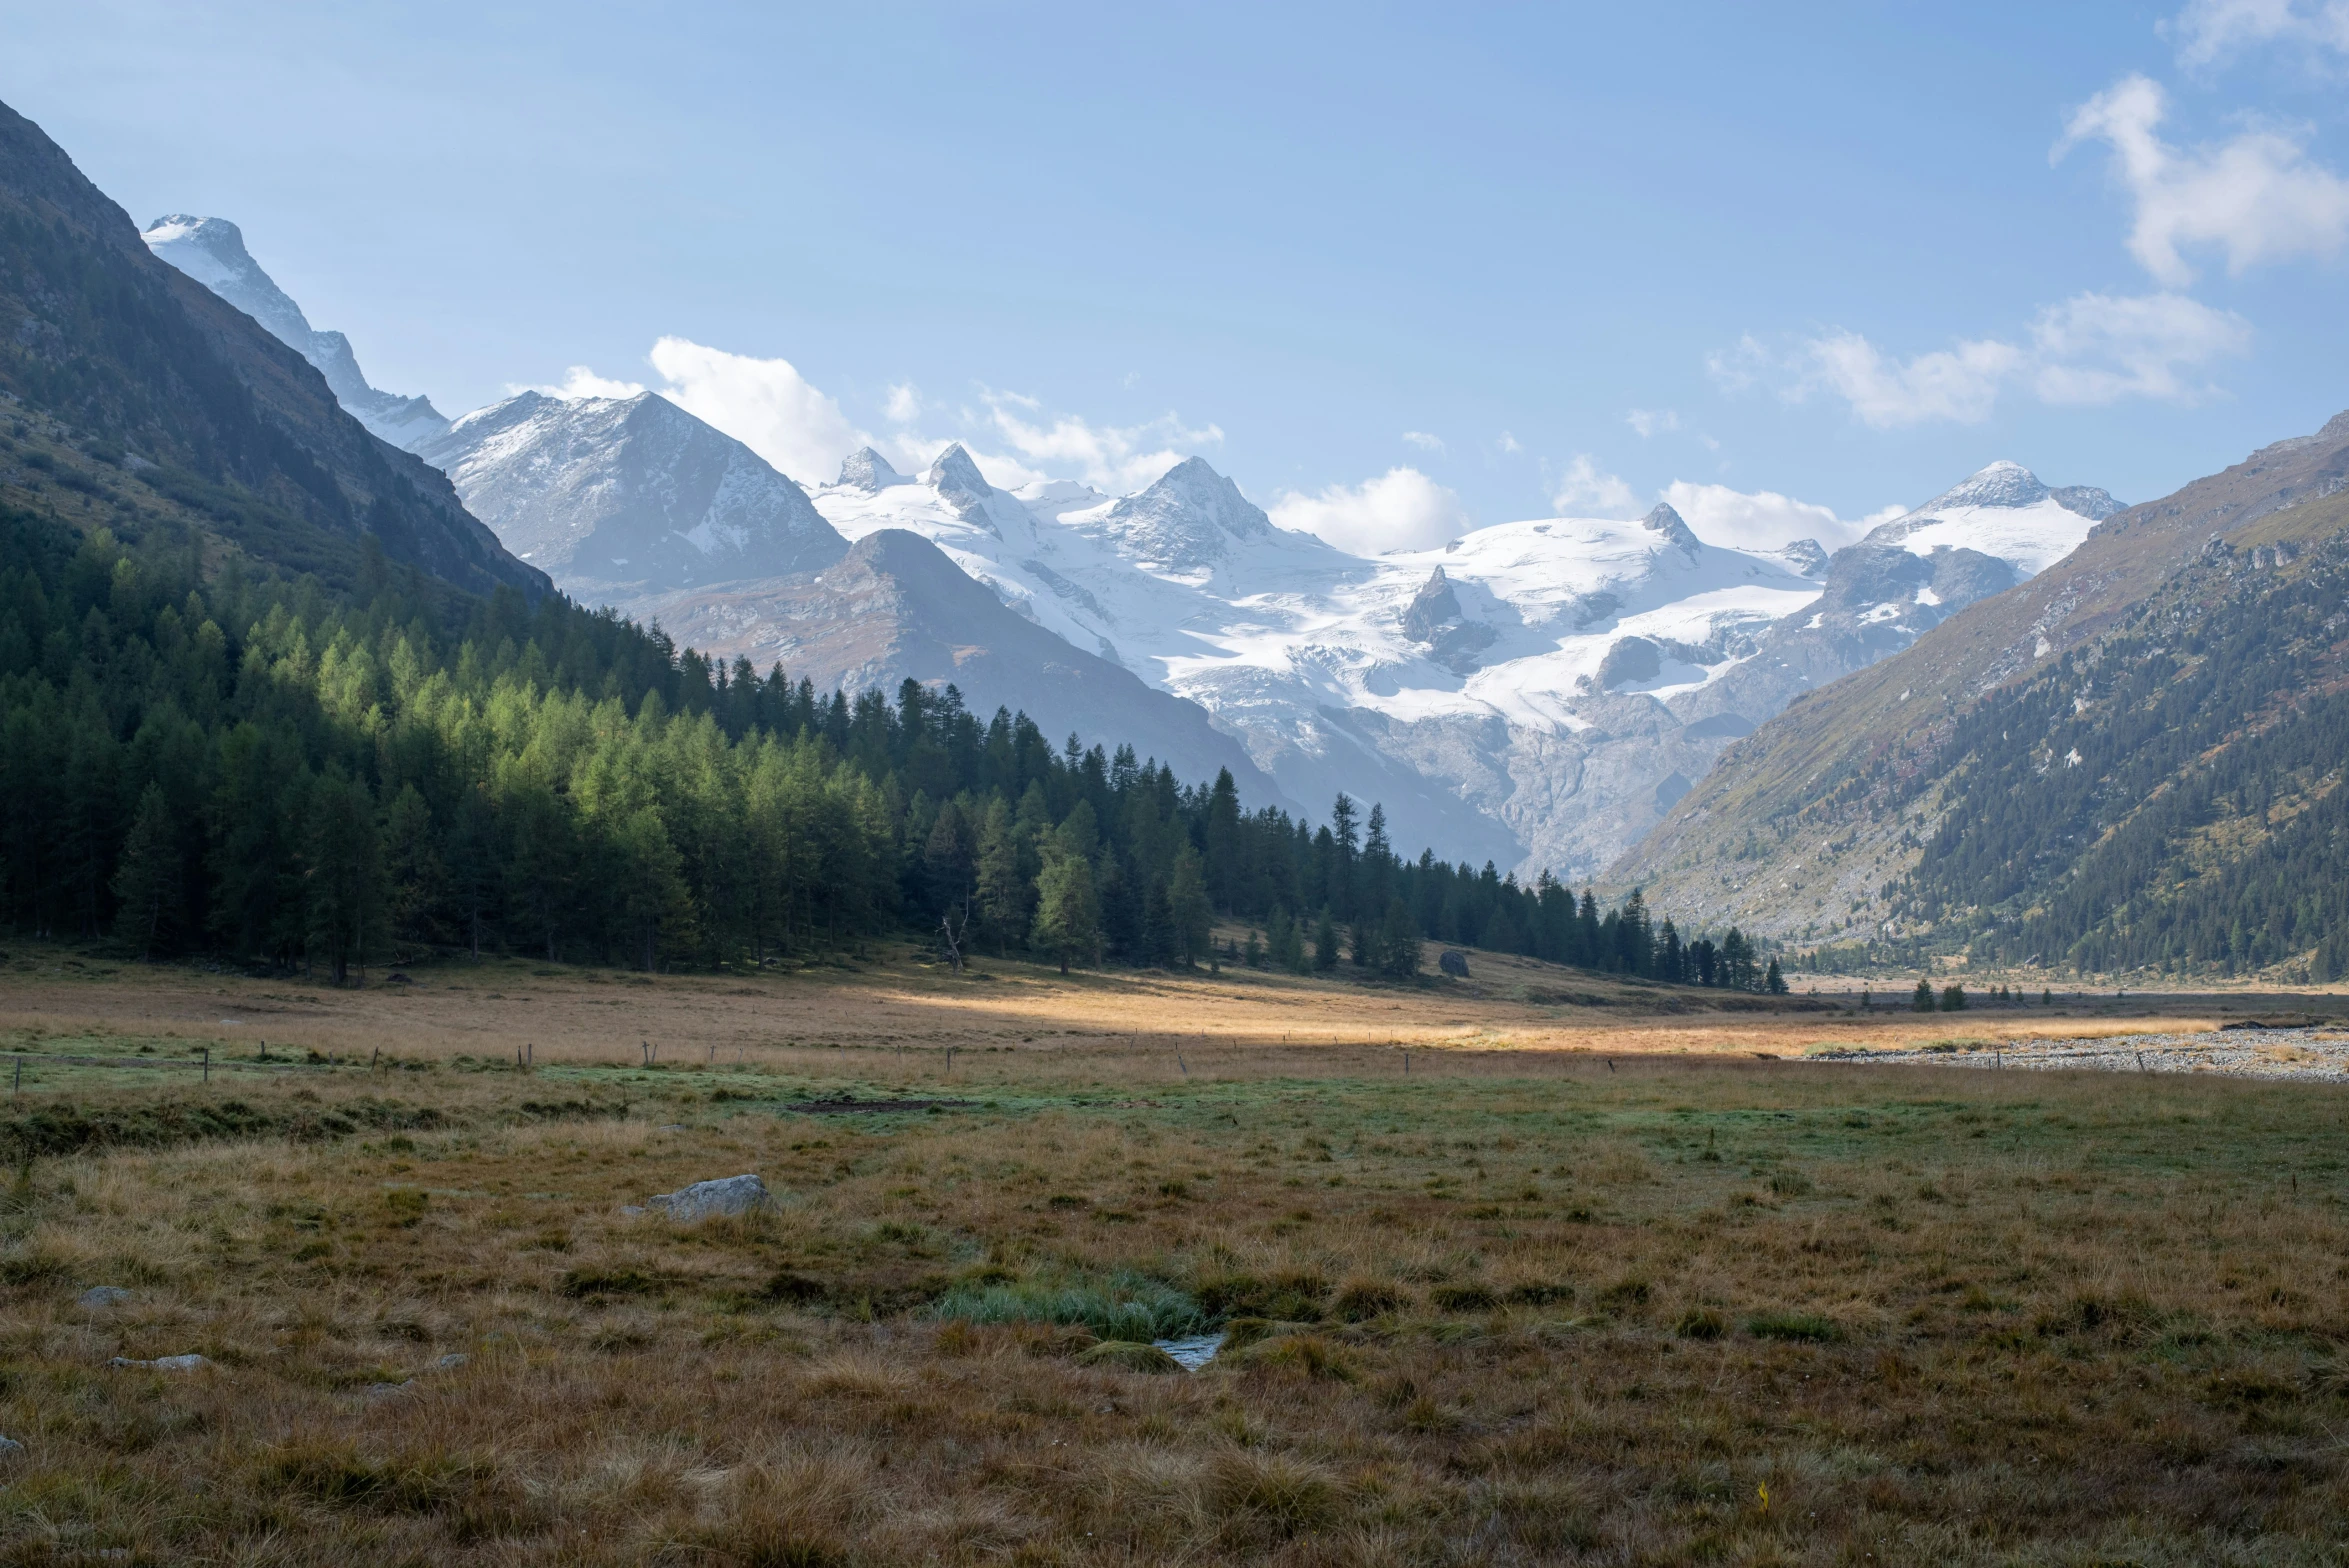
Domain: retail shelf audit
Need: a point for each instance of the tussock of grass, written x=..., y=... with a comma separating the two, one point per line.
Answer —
x=1808, y=1327
x=1123, y=1307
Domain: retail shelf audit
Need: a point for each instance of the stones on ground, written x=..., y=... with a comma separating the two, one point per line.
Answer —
x=103, y=1296
x=389, y=1390
x=1454, y=963
x=727, y=1195
x=453, y=1360
x=1192, y=1351
x=10, y=1448
x=1128, y=1355
x=187, y=1363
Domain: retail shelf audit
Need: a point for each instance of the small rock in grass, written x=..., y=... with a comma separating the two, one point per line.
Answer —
x=453, y=1360
x=728, y=1195
x=10, y=1447
x=103, y=1296
x=631, y=1210
x=187, y=1363
x=1128, y=1355
x=387, y=1390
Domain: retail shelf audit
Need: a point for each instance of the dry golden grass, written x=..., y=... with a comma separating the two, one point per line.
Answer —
x=1583, y=1299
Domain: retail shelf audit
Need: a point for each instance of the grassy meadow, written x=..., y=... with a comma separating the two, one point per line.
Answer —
x=1533, y=1270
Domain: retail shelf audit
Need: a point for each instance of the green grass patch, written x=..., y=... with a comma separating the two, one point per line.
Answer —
x=1119, y=1307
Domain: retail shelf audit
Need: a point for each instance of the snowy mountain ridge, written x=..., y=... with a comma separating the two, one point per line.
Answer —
x=212, y=251
x=1538, y=692
x=620, y=496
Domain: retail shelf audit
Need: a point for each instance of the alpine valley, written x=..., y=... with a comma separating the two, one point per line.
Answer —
x=1537, y=693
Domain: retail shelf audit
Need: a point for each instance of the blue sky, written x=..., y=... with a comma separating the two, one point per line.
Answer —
x=1399, y=271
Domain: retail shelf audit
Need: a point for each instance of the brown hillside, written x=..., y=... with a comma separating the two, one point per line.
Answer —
x=1744, y=845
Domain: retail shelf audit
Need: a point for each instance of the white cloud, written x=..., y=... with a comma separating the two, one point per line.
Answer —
x=2091, y=349
x=1764, y=519
x=2095, y=348
x=1959, y=384
x=1402, y=509
x=1110, y=457
x=2257, y=197
x=1652, y=421
x=1424, y=441
x=765, y=404
x=1508, y=443
x=1583, y=491
x=579, y=382
x=2211, y=30
x=1741, y=368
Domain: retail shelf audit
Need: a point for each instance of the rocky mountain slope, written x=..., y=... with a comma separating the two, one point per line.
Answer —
x=211, y=422
x=895, y=607
x=622, y=497
x=1813, y=828
x=212, y=251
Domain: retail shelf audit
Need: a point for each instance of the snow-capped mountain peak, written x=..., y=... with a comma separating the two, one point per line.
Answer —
x=1663, y=520
x=953, y=473
x=1186, y=522
x=1998, y=484
x=212, y=251
x=867, y=470
x=2005, y=512
x=629, y=493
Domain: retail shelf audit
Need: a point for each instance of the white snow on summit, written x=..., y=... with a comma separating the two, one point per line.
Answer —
x=2002, y=511
x=628, y=494
x=212, y=251
x=1344, y=672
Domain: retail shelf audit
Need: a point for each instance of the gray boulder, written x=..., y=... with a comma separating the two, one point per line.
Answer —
x=728, y=1195
x=1454, y=963
x=187, y=1363
x=103, y=1296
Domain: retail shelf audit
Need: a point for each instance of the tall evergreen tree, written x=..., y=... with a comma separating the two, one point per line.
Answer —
x=1068, y=915
x=1192, y=913
x=148, y=878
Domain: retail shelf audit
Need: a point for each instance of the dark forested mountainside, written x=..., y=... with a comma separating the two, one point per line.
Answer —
x=272, y=772
x=119, y=355
x=1805, y=829
x=2170, y=797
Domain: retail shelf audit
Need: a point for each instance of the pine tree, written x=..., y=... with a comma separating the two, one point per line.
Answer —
x=1775, y=981
x=654, y=899
x=1284, y=943
x=1399, y=949
x=343, y=874
x=1325, y=941
x=1068, y=914
x=1923, y=999
x=148, y=879
x=1953, y=998
x=412, y=866
x=1160, y=946
x=1194, y=916
x=1006, y=892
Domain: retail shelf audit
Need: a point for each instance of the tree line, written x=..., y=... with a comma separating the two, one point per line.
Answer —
x=260, y=769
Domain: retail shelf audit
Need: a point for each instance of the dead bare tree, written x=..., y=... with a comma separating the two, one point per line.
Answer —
x=952, y=935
